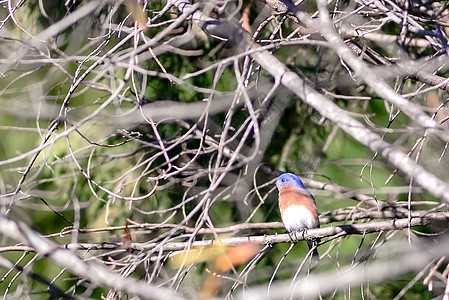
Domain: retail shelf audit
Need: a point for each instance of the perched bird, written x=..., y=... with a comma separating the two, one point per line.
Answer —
x=297, y=206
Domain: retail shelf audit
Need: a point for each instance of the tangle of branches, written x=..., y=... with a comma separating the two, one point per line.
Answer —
x=140, y=141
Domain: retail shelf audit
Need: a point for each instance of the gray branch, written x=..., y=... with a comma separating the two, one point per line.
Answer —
x=44, y=247
x=92, y=271
x=329, y=109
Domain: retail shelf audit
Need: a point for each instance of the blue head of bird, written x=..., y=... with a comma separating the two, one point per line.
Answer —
x=291, y=180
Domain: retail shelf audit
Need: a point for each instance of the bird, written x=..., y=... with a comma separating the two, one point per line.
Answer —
x=297, y=206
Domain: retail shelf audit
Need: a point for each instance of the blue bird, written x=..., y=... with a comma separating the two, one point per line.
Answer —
x=297, y=205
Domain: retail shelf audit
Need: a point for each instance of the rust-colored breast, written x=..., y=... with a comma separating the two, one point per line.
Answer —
x=294, y=196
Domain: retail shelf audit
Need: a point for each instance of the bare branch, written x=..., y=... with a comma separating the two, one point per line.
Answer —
x=406, y=260
x=94, y=272
x=331, y=111
x=342, y=230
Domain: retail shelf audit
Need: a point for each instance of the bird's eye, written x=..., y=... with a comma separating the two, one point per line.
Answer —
x=283, y=180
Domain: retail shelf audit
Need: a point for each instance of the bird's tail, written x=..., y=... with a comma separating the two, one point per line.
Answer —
x=312, y=244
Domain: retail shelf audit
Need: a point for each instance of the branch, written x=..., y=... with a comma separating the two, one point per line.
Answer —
x=408, y=68
x=325, y=27
x=92, y=271
x=412, y=110
x=329, y=109
x=167, y=111
x=406, y=259
x=342, y=230
x=53, y=290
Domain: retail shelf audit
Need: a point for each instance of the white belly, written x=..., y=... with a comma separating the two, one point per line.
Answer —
x=297, y=217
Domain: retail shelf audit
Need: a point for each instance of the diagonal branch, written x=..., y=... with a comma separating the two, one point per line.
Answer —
x=315, y=284
x=94, y=272
x=327, y=108
x=411, y=109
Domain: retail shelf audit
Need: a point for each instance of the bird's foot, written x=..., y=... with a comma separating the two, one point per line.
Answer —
x=304, y=232
x=292, y=236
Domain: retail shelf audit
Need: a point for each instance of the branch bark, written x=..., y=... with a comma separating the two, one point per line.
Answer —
x=329, y=109
x=407, y=259
x=412, y=110
x=437, y=218
x=92, y=271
